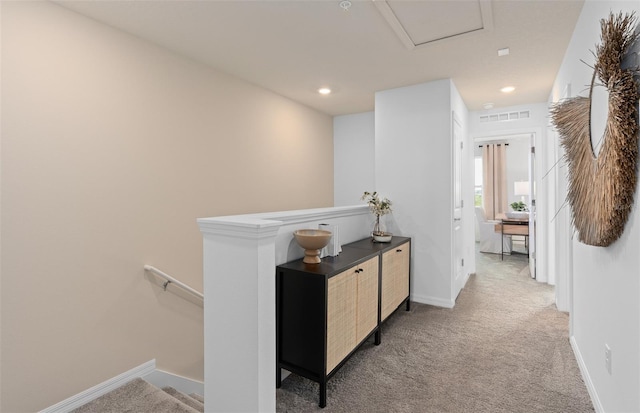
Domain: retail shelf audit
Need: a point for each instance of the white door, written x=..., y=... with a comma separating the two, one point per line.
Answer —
x=457, y=229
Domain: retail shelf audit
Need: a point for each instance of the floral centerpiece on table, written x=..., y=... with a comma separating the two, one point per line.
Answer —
x=378, y=207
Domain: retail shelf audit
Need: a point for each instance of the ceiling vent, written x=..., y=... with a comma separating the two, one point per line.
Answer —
x=507, y=116
x=419, y=23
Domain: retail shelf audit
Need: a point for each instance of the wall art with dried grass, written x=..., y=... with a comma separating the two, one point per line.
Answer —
x=601, y=187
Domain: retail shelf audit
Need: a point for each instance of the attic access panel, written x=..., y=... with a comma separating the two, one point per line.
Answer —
x=418, y=23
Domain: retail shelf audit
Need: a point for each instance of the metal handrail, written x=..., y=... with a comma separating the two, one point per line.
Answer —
x=170, y=280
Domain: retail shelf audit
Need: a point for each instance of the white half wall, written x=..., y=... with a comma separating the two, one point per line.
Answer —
x=240, y=254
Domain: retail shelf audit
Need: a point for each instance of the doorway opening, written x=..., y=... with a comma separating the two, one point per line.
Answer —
x=504, y=197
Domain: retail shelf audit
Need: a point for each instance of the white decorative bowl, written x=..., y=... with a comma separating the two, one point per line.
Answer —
x=517, y=214
x=384, y=237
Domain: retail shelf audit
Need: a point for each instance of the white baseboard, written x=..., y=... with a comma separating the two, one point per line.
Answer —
x=466, y=279
x=101, y=389
x=186, y=385
x=585, y=376
x=438, y=302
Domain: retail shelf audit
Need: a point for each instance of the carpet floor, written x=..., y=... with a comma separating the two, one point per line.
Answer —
x=504, y=347
x=139, y=396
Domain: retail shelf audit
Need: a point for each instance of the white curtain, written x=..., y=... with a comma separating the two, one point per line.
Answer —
x=494, y=184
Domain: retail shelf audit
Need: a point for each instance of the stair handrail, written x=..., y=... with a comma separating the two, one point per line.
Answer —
x=171, y=280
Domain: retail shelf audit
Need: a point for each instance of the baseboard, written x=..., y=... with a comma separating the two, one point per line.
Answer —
x=438, y=302
x=466, y=278
x=103, y=388
x=186, y=385
x=585, y=376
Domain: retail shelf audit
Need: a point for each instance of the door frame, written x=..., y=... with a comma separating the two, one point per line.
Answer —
x=459, y=274
x=542, y=263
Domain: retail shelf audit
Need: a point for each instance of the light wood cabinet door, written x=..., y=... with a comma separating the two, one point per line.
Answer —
x=341, y=316
x=395, y=279
x=352, y=309
x=367, y=298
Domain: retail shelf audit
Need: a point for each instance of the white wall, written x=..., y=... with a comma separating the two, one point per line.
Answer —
x=606, y=286
x=414, y=169
x=560, y=226
x=354, y=157
x=112, y=148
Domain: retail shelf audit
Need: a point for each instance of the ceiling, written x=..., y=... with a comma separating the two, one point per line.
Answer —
x=295, y=47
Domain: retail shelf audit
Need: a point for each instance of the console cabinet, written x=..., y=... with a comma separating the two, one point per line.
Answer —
x=325, y=311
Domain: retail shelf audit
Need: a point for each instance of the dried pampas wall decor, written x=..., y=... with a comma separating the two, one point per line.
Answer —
x=601, y=187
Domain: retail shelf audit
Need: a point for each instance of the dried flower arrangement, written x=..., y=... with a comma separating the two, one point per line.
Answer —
x=378, y=207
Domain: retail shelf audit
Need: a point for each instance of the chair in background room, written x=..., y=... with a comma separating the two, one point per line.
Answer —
x=487, y=236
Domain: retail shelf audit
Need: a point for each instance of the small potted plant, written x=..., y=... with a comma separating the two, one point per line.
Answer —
x=378, y=207
x=519, y=210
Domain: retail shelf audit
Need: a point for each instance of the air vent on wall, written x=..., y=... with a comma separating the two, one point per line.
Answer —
x=502, y=117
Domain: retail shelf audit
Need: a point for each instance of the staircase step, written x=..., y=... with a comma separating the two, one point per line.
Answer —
x=197, y=397
x=137, y=396
x=186, y=399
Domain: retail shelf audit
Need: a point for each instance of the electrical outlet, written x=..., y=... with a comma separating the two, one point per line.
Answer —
x=607, y=357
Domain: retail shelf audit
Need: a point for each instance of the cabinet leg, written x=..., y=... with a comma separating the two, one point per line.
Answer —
x=408, y=305
x=323, y=395
x=378, y=340
x=278, y=377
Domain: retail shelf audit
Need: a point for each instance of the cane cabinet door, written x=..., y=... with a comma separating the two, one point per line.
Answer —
x=341, y=316
x=395, y=279
x=367, y=301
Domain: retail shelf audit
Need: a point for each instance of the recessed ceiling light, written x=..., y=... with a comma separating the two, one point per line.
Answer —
x=488, y=105
x=345, y=5
x=507, y=89
x=503, y=52
x=324, y=90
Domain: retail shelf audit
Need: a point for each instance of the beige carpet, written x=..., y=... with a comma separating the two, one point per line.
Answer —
x=139, y=396
x=503, y=348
